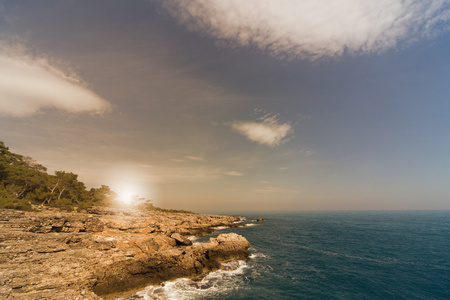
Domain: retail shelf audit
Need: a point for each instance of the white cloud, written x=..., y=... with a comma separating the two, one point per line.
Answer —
x=196, y=158
x=29, y=84
x=234, y=173
x=310, y=153
x=268, y=131
x=313, y=28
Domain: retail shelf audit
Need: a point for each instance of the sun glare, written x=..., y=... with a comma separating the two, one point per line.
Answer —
x=126, y=194
x=130, y=184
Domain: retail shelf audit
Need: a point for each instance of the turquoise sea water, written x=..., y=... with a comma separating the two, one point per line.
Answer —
x=332, y=255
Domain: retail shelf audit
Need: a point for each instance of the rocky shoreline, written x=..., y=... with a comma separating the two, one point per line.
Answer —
x=106, y=253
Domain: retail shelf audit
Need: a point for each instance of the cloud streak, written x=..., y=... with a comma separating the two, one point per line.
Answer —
x=234, y=173
x=267, y=131
x=195, y=158
x=311, y=28
x=29, y=84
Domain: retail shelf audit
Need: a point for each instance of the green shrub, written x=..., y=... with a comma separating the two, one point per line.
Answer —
x=64, y=204
x=13, y=203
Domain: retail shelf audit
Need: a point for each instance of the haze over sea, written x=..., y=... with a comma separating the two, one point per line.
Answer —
x=332, y=255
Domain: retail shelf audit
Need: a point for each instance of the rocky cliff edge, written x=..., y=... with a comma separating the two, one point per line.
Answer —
x=105, y=253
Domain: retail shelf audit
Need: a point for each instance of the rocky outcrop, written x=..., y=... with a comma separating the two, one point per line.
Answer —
x=54, y=255
x=155, y=268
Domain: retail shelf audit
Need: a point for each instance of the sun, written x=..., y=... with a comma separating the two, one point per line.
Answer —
x=126, y=194
x=130, y=184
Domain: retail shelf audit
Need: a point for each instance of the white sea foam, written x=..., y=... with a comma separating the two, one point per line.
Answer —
x=192, y=238
x=257, y=255
x=241, y=220
x=209, y=286
x=251, y=224
x=221, y=227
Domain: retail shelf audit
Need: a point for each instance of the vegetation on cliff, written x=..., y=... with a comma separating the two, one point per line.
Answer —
x=24, y=182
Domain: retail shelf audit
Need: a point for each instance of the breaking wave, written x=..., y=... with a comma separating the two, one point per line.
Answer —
x=212, y=285
x=220, y=227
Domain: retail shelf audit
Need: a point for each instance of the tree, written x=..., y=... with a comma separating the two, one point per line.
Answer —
x=24, y=182
x=64, y=187
x=102, y=196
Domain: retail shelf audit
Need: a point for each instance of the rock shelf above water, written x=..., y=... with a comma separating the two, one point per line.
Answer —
x=53, y=254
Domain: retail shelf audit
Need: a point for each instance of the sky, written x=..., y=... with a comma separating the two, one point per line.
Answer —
x=254, y=105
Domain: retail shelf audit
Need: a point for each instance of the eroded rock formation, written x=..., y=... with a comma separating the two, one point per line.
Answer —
x=55, y=255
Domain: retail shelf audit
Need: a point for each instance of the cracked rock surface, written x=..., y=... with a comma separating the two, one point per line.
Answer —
x=51, y=254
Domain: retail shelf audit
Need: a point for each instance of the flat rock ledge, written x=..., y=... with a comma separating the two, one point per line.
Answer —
x=107, y=253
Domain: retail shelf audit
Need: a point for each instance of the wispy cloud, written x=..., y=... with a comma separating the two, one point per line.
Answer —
x=309, y=153
x=195, y=158
x=177, y=160
x=265, y=190
x=29, y=84
x=267, y=130
x=313, y=28
x=234, y=173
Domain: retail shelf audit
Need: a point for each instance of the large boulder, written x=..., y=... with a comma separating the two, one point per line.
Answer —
x=230, y=246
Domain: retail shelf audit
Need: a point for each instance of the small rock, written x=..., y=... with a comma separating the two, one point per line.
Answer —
x=181, y=240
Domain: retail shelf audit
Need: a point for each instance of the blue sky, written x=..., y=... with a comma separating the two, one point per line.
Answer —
x=232, y=105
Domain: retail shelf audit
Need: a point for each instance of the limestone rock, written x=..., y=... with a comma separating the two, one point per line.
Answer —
x=52, y=254
x=152, y=243
x=180, y=240
x=93, y=225
x=193, y=261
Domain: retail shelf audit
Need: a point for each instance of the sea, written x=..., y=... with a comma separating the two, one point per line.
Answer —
x=330, y=255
